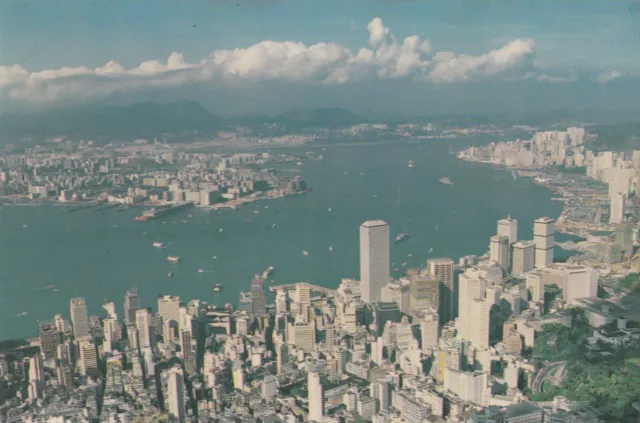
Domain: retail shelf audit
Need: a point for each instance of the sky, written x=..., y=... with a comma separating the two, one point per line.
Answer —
x=374, y=57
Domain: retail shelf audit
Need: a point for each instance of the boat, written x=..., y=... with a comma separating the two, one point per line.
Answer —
x=173, y=259
x=200, y=271
x=411, y=164
x=431, y=250
x=330, y=248
x=220, y=230
x=305, y=252
x=513, y=173
x=215, y=257
x=256, y=211
x=409, y=255
x=445, y=180
x=217, y=288
x=299, y=163
x=404, y=263
x=190, y=215
x=158, y=244
x=437, y=228
x=170, y=274
x=329, y=209
x=273, y=226
x=401, y=237
x=50, y=286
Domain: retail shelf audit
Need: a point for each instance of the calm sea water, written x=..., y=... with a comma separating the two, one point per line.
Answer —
x=99, y=255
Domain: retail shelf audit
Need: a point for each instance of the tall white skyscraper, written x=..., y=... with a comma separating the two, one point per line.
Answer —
x=523, y=257
x=169, y=307
x=88, y=357
x=374, y=259
x=471, y=286
x=499, y=251
x=79, y=317
x=478, y=332
x=316, y=410
x=617, y=208
x=441, y=269
x=508, y=227
x=176, y=398
x=36, y=377
x=543, y=238
x=143, y=326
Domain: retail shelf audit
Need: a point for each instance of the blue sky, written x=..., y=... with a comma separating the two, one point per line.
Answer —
x=580, y=44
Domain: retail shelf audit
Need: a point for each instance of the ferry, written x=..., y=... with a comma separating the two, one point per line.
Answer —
x=200, y=271
x=217, y=288
x=411, y=164
x=158, y=244
x=305, y=252
x=173, y=259
x=401, y=237
x=445, y=180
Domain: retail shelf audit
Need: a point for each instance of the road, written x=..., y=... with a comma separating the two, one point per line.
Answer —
x=557, y=369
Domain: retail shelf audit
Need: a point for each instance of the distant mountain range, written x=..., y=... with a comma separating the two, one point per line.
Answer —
x=182, y=120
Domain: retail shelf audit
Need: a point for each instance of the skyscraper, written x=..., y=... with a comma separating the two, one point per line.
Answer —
x=374, y=259
x=144, y=328
x=523, y=257
x=617, y=208
x=88, y=357
x=499, y=251
x=472, y=286
x=131, y=305
x=176, y=398
x=316, y=408
x=79, y=317
x=442, y=270
x=508, y=227
x=36, y=377
x=258, y=298
x=50, y=338
x=269, y=387
x=543, y=238
x=424, y=292
x=169, y=307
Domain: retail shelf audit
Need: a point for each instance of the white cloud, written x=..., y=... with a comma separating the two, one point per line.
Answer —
x=322, y=63
x=451, y=67
x=607, y=76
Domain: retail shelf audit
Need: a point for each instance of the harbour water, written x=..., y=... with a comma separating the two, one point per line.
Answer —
x=100, y=254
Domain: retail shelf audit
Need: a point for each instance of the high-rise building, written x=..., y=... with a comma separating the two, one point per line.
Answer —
x=442, y=269
x=65, y=377
x=535, y=286
x=499, y=251
x=398, y=292
x=429, y=330
x=269, y=388
x=543, y=238
x=579, y=282
x=616, y=214
x=79, y=317
x=131, y=305
x=108, y=326
x=316, y=400
x=88, y=357
x=36, y=377
x=386, y=312
x=478, y=333
x=303, y=336
x=468, y=386
x=50, y=338
x=258, y=298
x=144, y=328
x=508, y=227
x=425, y=292
x=185, y=344
x=169, y=308
x=176, y=398
x=624, y=237
x=374, y=259
x=523, y=257
x=471, y=286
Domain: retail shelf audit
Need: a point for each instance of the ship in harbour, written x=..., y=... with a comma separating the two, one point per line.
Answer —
x=217, y=289
x=173, y=259
x=401, y=237
x=411, y=164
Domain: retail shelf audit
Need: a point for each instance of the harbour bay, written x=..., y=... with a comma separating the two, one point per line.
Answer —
x=100, y=254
